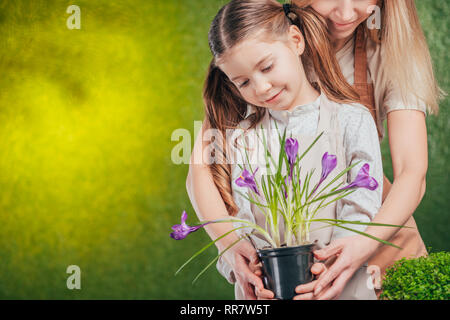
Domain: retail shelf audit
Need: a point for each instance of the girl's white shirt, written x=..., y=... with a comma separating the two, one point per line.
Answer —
x=360, y=143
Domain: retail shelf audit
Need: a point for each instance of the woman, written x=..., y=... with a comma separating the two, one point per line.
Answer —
x=391, y=69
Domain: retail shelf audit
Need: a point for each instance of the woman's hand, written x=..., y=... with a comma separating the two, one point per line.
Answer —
x=351, y=253
x=244, y=261
x=306, y=291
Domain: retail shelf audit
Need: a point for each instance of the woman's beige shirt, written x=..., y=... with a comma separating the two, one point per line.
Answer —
x=387, y=99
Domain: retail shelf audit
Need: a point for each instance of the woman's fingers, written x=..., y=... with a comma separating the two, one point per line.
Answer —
x=338, y=286
x=306, y=288
x=306, y=292
x=330, y=275
x=327, y=252
x=306, y=296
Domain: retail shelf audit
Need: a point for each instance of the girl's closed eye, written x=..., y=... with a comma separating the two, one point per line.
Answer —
x=267, y=68
x=243, y=84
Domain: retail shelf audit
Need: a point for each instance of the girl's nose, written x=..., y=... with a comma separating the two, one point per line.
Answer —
x=345, y=11
x=262, y=87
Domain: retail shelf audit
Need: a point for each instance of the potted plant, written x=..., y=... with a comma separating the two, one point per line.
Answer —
x=288, y=204
x=424, y=278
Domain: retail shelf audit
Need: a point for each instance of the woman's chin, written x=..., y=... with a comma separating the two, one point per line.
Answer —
x=340, y=35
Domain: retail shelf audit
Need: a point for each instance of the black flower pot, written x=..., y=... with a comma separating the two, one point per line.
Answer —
x=285, y=268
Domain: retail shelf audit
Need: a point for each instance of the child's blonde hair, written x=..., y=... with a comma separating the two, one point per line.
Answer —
x=224, y=106
x=405, y=60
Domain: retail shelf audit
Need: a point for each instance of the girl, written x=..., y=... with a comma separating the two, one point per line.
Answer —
x=395, y=54
x=257, y=77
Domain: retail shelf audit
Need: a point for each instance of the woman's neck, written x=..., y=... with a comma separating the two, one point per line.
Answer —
x=338, y=44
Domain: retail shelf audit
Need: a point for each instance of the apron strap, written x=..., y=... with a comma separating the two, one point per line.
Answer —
x=326, y=116
x=329, y=124
x=364, y=89
x=360, y=59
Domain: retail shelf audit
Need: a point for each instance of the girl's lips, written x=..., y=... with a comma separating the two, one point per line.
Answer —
x=274, y=97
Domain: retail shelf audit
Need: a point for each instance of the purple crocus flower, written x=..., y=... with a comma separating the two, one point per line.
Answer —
x=329, y=162
x=363, y=180
x=291, y=148
x=181, y=231
x=248, y=180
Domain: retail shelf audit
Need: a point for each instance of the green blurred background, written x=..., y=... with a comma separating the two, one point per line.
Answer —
x=86, y=176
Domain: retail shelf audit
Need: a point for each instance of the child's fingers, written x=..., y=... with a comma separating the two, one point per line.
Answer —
x=264, y=294
x=254, y=267
x=306, y=288
x=249, y=293
x=329, y=276
x=318, y=268
x=250, y=253
x=255, y=281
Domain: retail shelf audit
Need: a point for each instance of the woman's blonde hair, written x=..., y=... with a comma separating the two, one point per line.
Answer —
x=405, y=59
x=224, y=106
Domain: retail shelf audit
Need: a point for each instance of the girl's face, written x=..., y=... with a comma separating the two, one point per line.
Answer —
x=268, y=74
x=343, y=16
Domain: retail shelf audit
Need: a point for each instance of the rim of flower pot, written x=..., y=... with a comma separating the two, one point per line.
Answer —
x=294, y=250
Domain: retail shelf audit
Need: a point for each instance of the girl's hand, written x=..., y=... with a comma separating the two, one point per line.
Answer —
x=306, y=291
x=263, y=294
x=352, y=252
x=244, y=261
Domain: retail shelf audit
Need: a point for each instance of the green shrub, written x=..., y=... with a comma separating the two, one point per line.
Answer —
x=424, y=278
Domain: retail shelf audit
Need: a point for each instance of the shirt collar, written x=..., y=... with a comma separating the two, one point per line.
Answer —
x=250, y=110
x=285, y=115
